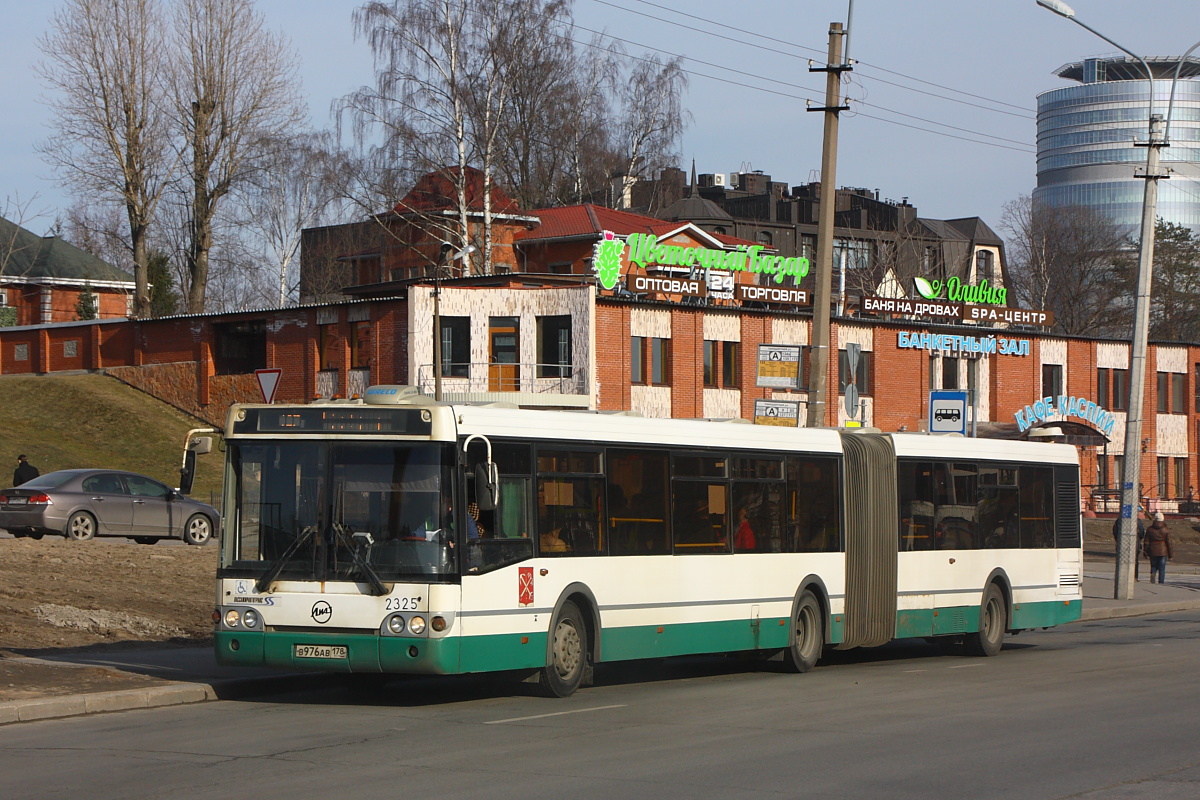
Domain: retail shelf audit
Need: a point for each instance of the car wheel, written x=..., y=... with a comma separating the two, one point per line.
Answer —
x=198, y=529
x=81, y=526
x=146, y=539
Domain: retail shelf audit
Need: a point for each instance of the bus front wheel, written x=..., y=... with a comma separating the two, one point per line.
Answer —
x=568, y=653
x=808, y=635
x=993, y=620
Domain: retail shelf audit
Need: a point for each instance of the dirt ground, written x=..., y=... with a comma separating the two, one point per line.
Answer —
x=58, y=595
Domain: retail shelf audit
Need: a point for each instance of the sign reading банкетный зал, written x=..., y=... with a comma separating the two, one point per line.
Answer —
x=1066, y=406
x=644, y=250
x=954, y=343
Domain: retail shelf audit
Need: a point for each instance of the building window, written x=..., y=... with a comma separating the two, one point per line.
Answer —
x=1164, y=488
x=1102, y=471
x=456, y=347
x=1118, y=471
x=729, y=365
x=1120, y=389
x=1178, y=393
x=660, y=354
x=1180, y=477
x=984, y=266
x=950, y=373
x=1103, y=380
x=851, y=254
x=1052, y=380
x=972, y=375
x=764, y=237
x=330, y=343
x=559, y=268
x=360, y=346
x=710, y=364
x=862, y=376
x=241, y=347
x=637, y=360
x=554, y=346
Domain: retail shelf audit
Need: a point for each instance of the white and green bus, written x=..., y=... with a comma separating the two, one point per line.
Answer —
x=396, y=534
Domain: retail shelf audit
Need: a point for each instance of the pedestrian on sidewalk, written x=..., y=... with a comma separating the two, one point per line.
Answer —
x=24, y=471
x=1158, y=547
x=1141, y=535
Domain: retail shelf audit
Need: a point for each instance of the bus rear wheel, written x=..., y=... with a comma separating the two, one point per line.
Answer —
x=568, y=653
x=993, y=620
x=808, y=635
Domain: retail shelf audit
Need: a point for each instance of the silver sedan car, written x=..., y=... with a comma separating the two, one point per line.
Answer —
x=84, y=503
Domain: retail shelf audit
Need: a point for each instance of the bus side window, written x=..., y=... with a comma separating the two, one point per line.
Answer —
x=637, y=502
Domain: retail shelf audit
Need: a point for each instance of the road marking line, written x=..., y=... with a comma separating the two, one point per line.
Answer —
x=555, y=714
x=965, y=666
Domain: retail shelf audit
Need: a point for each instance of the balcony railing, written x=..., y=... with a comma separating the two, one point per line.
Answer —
x=489, y=378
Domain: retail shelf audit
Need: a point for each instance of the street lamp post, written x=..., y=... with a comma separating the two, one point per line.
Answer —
x=1132, y=465
x=437, y=318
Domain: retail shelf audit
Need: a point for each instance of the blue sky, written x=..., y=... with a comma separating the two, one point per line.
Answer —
x=978, y=66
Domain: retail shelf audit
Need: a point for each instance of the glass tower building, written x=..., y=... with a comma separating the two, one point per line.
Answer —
x=1086, y=154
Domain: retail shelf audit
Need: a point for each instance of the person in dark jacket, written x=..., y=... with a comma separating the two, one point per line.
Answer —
x=1158, y=547
x=1141, y=535
x=24, y=471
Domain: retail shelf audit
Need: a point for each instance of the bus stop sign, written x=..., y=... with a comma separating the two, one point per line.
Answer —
x=948, y=412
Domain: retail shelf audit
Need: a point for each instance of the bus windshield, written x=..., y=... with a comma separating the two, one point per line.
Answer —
x=319, y=510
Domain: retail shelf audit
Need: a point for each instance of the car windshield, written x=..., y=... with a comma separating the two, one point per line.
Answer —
x=51, y=480
x=309, y=510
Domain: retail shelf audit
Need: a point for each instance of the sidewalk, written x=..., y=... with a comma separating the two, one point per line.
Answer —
x=54, y=686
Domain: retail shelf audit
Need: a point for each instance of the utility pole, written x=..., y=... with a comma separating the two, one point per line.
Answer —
x=1132, y=465
x=819, y=361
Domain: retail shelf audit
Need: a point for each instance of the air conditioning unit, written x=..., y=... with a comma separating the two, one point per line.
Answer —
x=719, y=179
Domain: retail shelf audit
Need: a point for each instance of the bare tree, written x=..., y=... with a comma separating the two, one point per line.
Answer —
x=106, y=61
x=234, y=88
x=416, y=111
x=98, y=226
x=293, y=192
x=1068, y=260
x=652, y=115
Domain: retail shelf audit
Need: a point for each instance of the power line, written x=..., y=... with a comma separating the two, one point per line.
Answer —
x=1023, y=109
x=756, y=76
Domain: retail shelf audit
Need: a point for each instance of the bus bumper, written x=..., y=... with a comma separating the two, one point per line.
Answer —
x=364, y=652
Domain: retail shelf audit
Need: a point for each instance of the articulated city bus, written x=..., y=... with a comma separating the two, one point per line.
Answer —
x=396, y=534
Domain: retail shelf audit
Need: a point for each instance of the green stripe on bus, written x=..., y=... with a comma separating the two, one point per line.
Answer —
x=1046, y=614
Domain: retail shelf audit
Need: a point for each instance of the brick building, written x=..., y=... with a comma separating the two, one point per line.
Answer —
x=614, y=311
x=42, y=277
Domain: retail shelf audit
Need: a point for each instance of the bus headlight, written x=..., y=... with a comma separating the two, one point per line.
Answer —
x=232, y=618
x=417, y=625
x=250, y=618
x=395, y=624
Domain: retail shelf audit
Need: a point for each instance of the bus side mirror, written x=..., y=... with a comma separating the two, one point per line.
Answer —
x=187, y=473
x=487, y=486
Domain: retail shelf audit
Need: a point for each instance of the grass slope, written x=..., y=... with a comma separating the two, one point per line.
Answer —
x=67, y=421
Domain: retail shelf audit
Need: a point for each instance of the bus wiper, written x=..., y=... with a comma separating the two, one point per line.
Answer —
x=377, y=586
x=264, y=583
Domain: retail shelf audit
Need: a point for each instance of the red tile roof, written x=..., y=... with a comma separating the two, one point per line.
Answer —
x=437, y=192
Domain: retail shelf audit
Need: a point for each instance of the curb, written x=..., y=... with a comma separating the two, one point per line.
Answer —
x=172, y=694
x=97, y=702
x=1118, y=612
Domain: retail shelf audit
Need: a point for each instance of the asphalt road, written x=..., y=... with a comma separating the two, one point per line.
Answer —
x=1098, y=710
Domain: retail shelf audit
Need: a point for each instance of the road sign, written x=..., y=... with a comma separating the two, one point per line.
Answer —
x=947, y=412
x=268, y=382
x=851, y=400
